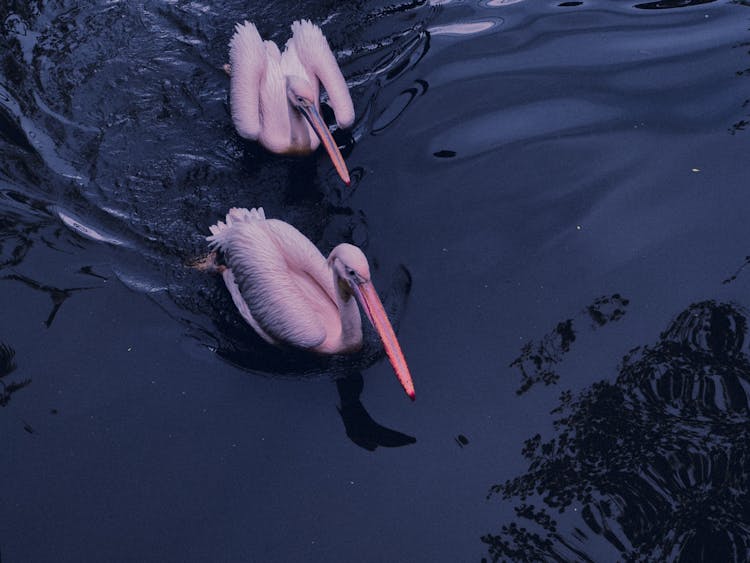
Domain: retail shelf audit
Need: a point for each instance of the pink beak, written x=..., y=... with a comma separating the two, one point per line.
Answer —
x=370, y=302
x=316, y=122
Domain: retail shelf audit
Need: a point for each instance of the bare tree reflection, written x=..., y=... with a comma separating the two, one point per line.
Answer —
x=15, y=239
x=7, y=366
x=737, y=272
x=741, y=124
x=58, y=296
x=657, y=464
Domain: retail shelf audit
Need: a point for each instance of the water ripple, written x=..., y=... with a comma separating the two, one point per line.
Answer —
x=552, y=117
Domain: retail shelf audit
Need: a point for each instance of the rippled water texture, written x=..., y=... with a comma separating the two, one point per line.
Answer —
x=553, y=200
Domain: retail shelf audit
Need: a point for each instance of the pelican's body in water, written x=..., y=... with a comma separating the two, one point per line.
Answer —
x=275, y=96
x=291, y=295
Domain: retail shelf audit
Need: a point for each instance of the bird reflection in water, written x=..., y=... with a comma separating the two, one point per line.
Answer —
x=656, y=464
x=360, y=427
x=236, y=342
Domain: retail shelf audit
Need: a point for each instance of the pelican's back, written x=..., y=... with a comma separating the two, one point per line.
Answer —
x=316, y=56
x=281, y=277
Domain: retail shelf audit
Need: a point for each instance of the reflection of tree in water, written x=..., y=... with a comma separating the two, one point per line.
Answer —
x=537, y=360
x=741, y=124
x=57, y=295
x=737, y=272
x=656, y=463
x=7, y=366
x=15, y=239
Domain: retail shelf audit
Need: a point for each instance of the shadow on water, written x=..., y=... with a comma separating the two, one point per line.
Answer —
x=360, y=427
x=656, y=464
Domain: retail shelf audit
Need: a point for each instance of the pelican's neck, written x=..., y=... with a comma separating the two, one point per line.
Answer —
x=351, y=320
x=283, y=128
x=301, y=137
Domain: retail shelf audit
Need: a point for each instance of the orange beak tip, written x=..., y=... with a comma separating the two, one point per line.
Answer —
x=372, y=305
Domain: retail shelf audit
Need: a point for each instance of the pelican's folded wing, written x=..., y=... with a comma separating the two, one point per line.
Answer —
x=268, y=284
x=247, y=56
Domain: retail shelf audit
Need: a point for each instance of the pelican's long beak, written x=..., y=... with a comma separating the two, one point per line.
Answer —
x=316, y=122
x=373, y=307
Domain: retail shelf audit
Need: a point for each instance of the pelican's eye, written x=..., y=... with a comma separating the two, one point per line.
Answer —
x=351, y=273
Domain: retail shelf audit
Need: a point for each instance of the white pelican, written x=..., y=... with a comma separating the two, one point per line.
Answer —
x=275, y=97
x=291, y=295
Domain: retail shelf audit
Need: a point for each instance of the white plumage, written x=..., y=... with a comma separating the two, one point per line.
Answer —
x=282, y=284
x=275, y=96
x=291, y=295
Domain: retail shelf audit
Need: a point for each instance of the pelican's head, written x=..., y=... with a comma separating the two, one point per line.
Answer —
x=352, y=272
x=303, y=98
x=300, y=92
x=350, y=266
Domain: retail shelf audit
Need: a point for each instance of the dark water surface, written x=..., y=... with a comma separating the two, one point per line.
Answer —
x=554, y=201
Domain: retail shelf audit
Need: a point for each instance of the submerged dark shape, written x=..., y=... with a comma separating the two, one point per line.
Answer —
x=657, y=463
x=669, y=4
x=444, y=154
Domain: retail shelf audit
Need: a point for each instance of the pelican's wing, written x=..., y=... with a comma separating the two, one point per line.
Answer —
x=274, y=268
x=247, y=56
x=316, y=56
x=241, y=304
